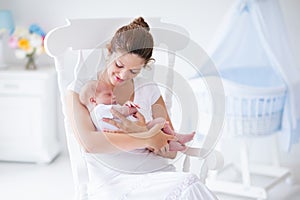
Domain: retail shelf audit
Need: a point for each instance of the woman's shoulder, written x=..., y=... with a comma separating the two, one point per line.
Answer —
x=147, y=89
x=140, y=81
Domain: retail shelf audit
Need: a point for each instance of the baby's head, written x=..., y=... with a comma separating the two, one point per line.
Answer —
x=96, y=92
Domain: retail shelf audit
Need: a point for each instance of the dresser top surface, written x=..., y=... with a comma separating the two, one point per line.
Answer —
x=18, y=71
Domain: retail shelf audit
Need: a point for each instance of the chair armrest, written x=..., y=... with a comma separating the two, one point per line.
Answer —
x=214, y=159
x=196, y=152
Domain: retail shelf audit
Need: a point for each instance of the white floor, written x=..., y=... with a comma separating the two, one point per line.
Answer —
x=54, y=182
x=28, y=181
x=282, y=191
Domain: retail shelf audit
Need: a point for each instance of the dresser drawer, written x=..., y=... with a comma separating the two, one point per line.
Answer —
x=22, y=87
x=28, y=130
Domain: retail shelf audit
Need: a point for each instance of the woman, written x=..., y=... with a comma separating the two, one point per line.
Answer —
x=108, y=153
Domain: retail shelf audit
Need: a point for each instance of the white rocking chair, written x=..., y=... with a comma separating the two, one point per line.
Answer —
x=66, y=44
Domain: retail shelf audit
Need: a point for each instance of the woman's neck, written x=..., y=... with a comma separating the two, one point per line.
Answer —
x=124, y=92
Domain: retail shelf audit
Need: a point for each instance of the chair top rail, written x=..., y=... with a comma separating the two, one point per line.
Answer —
x=88, y=34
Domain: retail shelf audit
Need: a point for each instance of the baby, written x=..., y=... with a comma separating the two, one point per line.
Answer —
x=98, y=97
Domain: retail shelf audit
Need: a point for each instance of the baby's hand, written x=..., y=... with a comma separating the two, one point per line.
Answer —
x=130, y=104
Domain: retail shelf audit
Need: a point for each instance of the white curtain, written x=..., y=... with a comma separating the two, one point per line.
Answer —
x=254, y=35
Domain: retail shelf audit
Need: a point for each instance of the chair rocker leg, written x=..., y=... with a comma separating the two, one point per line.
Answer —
x=246, y=188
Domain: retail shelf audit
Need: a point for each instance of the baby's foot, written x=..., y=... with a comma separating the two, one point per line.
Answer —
x=184, y=138
x=176, y=146
x=167, y=129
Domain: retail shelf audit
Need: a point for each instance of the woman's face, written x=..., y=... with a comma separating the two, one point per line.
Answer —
x=124, y=67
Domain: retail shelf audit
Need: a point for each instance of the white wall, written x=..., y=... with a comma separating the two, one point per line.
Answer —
x=200, y=17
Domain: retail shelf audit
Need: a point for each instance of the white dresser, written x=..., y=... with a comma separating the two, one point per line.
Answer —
x=28, y=115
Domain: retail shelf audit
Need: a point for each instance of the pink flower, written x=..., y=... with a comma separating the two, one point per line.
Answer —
x=13, y=42
x=27, y=43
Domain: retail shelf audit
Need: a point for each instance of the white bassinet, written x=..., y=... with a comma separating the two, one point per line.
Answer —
x=254, y=104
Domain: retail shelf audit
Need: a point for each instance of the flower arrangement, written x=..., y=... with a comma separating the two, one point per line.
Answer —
x=28, y=43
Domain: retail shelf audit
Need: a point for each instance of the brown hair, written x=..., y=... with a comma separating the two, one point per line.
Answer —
x=134, y=38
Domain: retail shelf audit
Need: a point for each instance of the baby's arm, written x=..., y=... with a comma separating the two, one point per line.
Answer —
x=125, y=110
x=129, y=109
x=158, y=120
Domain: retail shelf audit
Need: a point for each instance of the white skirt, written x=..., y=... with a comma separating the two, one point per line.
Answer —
x=152, y=186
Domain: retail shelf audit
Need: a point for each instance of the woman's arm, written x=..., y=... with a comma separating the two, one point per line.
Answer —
x=96, y=142
x=159, y=109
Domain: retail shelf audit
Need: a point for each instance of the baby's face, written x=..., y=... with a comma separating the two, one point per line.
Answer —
x=105, y=96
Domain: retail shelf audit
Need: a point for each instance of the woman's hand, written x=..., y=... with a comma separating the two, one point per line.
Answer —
x=159, y=142
x=156, y=140
x=125, y=125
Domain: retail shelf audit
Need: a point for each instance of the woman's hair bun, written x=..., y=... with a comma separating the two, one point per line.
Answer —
x=134, y=38
x=139, y=23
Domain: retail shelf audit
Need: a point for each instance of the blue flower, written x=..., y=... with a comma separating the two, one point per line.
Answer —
x=37, y=30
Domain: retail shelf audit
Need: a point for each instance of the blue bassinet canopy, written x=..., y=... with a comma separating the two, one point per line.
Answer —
x=254, y=36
